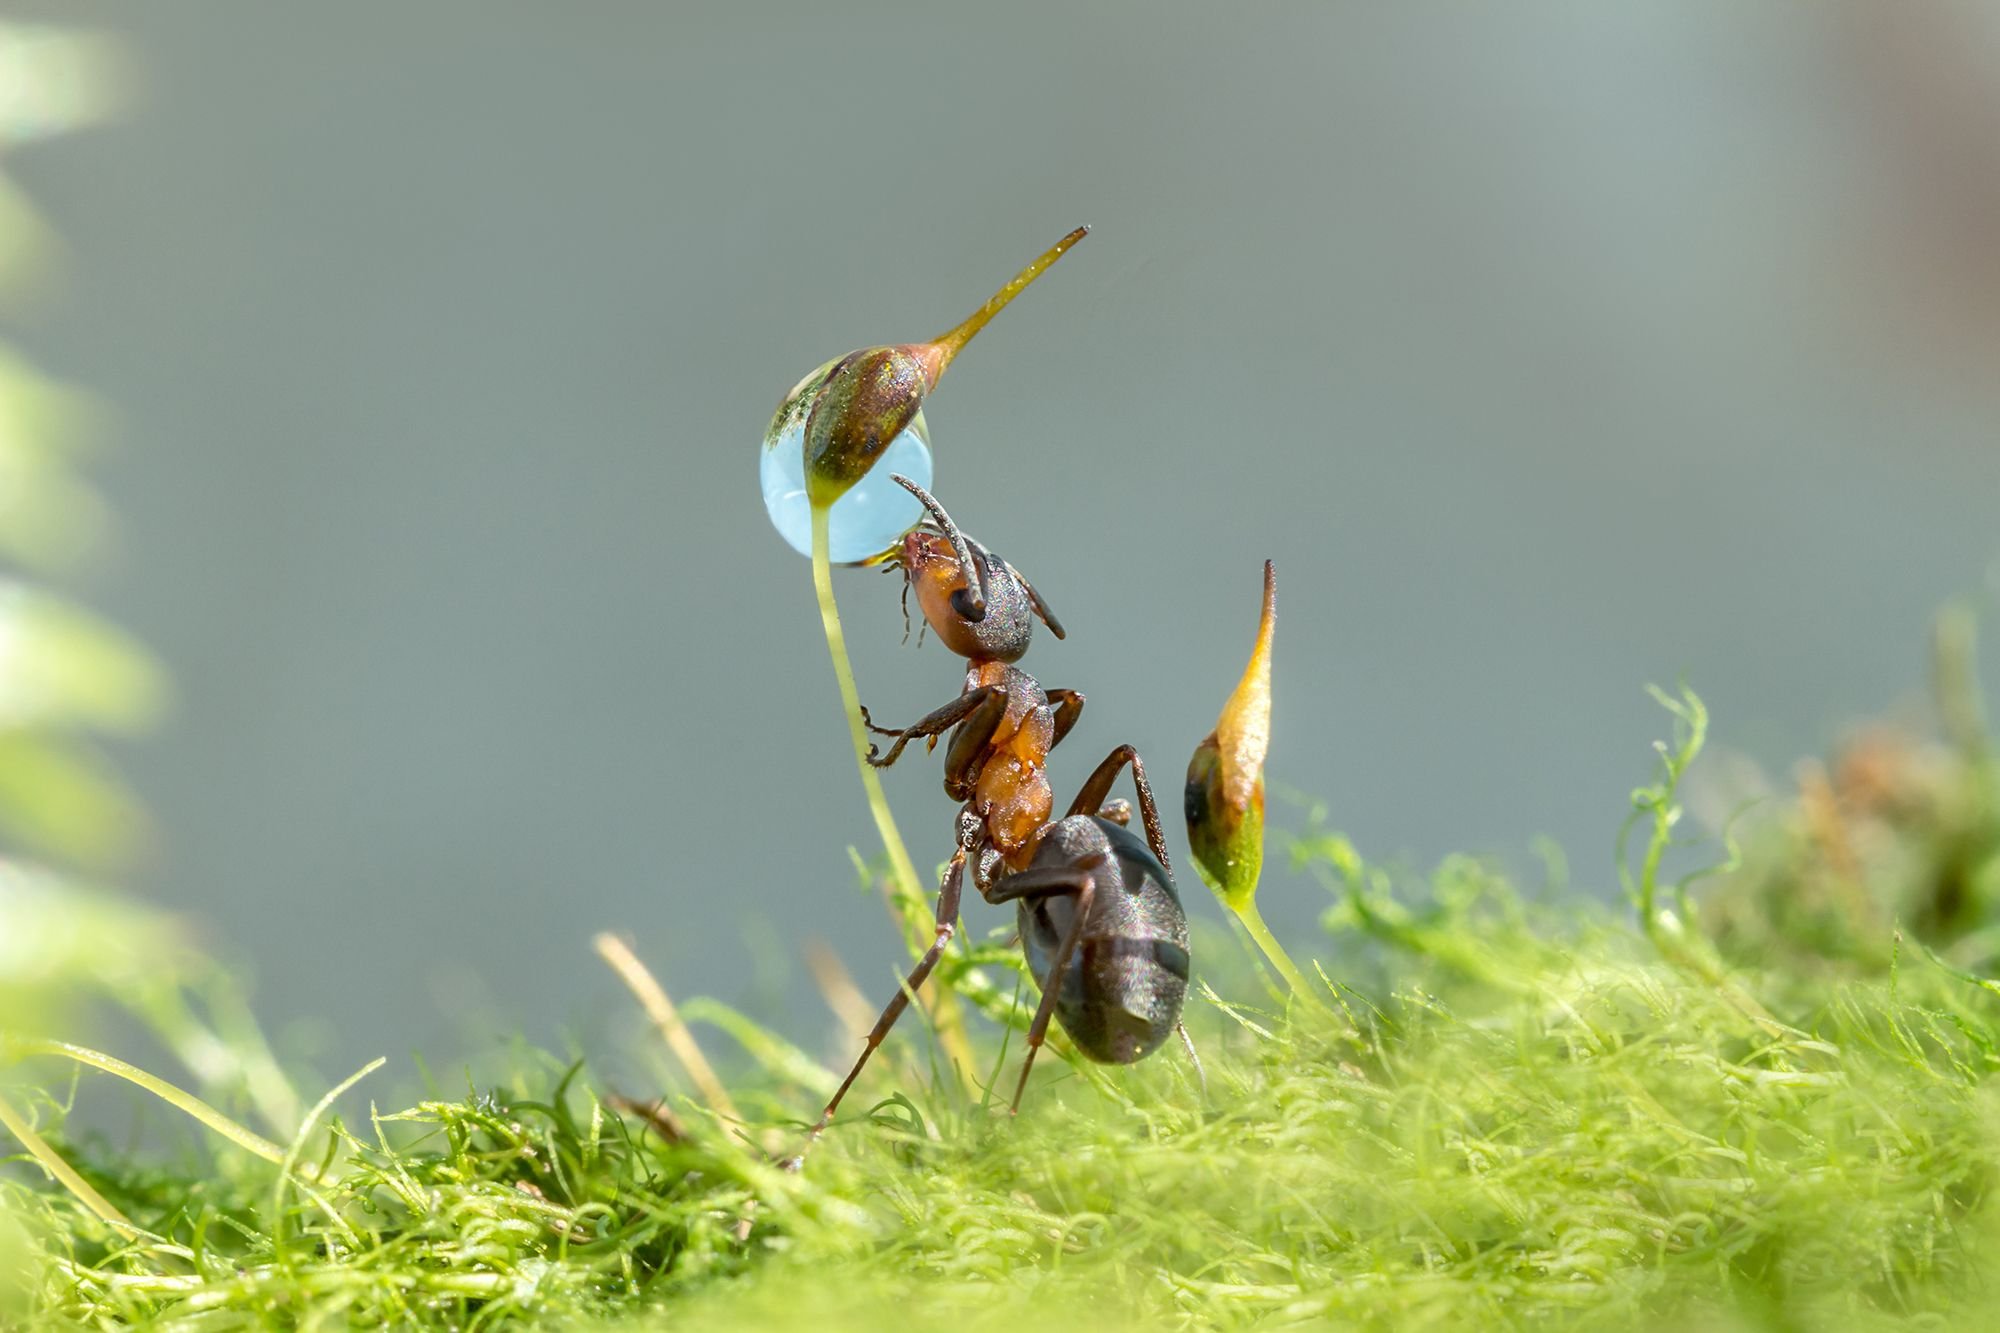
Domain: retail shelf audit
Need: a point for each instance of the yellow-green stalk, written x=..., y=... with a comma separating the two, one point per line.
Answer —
x=1224, y=801
x=52, y=1162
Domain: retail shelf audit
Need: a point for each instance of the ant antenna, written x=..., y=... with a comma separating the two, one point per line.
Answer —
x=1041, y=606
x=969, y=601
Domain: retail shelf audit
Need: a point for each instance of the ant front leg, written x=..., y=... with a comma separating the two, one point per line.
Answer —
x=931, y=724
x=869, y=722
x=1054, y=881
x=967, y=755
x=947, y=921
x=1090, y=800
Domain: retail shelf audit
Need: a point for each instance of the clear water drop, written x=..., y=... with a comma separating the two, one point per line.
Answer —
x=871, y=516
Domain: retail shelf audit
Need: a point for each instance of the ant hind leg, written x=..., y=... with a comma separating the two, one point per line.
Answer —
x=1194, y=1058
x=947, y=922
x=1053, y=881
x=1090, y=800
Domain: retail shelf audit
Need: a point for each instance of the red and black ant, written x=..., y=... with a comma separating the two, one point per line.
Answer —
x=1100, y=920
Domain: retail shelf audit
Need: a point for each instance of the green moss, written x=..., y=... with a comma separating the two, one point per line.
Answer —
x=1516, y=1116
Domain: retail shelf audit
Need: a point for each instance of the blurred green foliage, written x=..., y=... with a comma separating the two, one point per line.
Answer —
x=67, y=679
x=1895, y=835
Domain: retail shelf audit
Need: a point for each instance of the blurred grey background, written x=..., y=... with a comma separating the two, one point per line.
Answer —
x=1549, y=352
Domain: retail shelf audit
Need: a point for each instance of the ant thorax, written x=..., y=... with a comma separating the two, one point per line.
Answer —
x=1012, y=794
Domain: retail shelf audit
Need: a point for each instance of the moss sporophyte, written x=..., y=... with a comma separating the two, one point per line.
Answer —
x=1223, y=801
x=819, y=471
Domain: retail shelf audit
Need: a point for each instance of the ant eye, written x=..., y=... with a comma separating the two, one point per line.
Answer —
x=873, y=513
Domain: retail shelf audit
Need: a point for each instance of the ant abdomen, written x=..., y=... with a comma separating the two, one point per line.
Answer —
x=1121, y=995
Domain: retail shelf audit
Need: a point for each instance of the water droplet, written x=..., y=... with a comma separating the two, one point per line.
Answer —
x=872, y=515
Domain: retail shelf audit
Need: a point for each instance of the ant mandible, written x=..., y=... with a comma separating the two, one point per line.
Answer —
x=1100, y=920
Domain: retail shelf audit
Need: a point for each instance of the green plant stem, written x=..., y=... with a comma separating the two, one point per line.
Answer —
x=52, y=1162
x=1253, y=921
x=243, y=1138
x=1674, y=936
x=292, y=1162
x=943, y=1009
x=900, y=866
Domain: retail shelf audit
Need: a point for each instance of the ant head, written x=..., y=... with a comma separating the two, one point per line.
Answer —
x=978, y=605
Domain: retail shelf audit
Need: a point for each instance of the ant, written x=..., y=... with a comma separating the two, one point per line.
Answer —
x=1100, y=920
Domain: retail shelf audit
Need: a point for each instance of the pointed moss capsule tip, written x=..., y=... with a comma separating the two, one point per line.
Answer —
x=1244, y=729
x=949, y=344
x=1224, y=798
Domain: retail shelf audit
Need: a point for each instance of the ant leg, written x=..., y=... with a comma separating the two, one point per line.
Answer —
x=1039, y=882
x=1200, y=1075
x=1053, y=881
x=947, y=921
x=967, y=755
x=1098, y=785
x=930, y=724
x=1069, y=707
x=869, y=723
